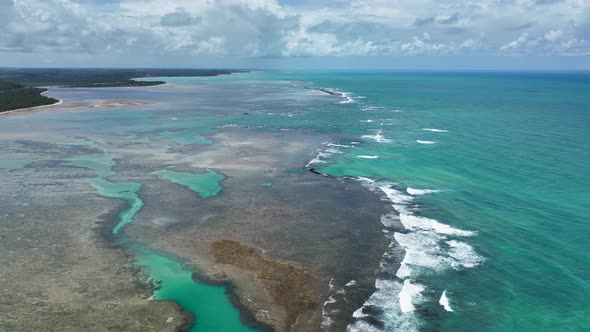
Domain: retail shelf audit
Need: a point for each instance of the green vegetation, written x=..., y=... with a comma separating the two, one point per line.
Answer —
x=15, y=96
x=97, y=77
x=24, y=94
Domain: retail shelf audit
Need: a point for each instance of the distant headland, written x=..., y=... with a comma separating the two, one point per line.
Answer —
x=23, y=88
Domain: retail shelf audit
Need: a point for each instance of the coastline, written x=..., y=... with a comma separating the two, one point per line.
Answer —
x=236, y=289
x=59, y=102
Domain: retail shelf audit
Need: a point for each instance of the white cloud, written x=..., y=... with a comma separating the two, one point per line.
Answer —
x=553, y=35
x=261, y=28
x=518, y=43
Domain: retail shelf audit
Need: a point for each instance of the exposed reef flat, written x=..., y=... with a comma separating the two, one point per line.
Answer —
x=301, y=251
x=288, y=284
x=58, y=273
x=306, y=234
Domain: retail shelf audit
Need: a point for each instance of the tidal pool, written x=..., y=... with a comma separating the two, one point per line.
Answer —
x=206, y=184
x=209, y=303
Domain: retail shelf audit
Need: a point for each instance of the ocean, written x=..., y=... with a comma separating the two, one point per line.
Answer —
x=489, y=173
x=486, y=174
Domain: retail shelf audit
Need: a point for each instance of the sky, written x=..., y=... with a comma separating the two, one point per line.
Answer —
x=297, y=34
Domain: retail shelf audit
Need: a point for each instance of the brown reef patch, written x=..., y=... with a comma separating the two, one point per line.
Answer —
x=288, y=284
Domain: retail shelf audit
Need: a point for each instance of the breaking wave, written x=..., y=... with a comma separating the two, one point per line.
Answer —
x=429, y=247
x=434, y=130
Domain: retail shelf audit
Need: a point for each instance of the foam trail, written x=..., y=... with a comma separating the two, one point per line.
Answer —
x=340, y=145
x=463, y=254
x=427, y=249
x=377, y=137
x=319, y=159
x=416, y=223
x=426, y=142
x=347, y=98
x=367, y=157
x=434, y=130
x=371, y=108
x=327, y=321
x=419, y=192
x=444, y=301
x=393, y=317
x=408, y=296
x=350, y=283
x=332, y=150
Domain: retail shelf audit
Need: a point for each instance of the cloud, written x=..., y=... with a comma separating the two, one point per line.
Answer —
x=268, y=28
x=181, y=17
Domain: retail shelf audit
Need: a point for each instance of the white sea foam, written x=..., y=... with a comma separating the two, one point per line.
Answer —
x=327, y=321
x=423, y=252
x=464, y=255
x=434, y=130
x=330, y=300
x=350, y=283
x=315, y=161
x=392, y=317
x=332, y=150
x=346, y=98
x=368, y=121
x=371, y=108
x=409, y=295
x=390, y=220
x=444, y=301
x=426, y=142
x=319, y=159
x=327, y=153
x=416, y=223
x=427, y=248
x=394, y=195
x=367, y=157
x=340, y=145
x=328, y=310
x=378, y=137
x=230, y=125
x=419, y=192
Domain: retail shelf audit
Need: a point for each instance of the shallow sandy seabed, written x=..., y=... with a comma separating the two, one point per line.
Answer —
x=57, y=272
x=322, y=234
x=76, y=106
x=325, y=227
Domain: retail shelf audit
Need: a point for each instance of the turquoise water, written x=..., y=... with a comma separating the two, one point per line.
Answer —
x=488, y=173
x=506, y=157
x=210, y=305
x=206, y=184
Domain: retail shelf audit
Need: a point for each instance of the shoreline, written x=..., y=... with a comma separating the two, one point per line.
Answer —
x=59, y=102
x=247, y=316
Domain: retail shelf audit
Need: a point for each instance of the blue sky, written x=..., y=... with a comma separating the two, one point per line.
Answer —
x=297, y=34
